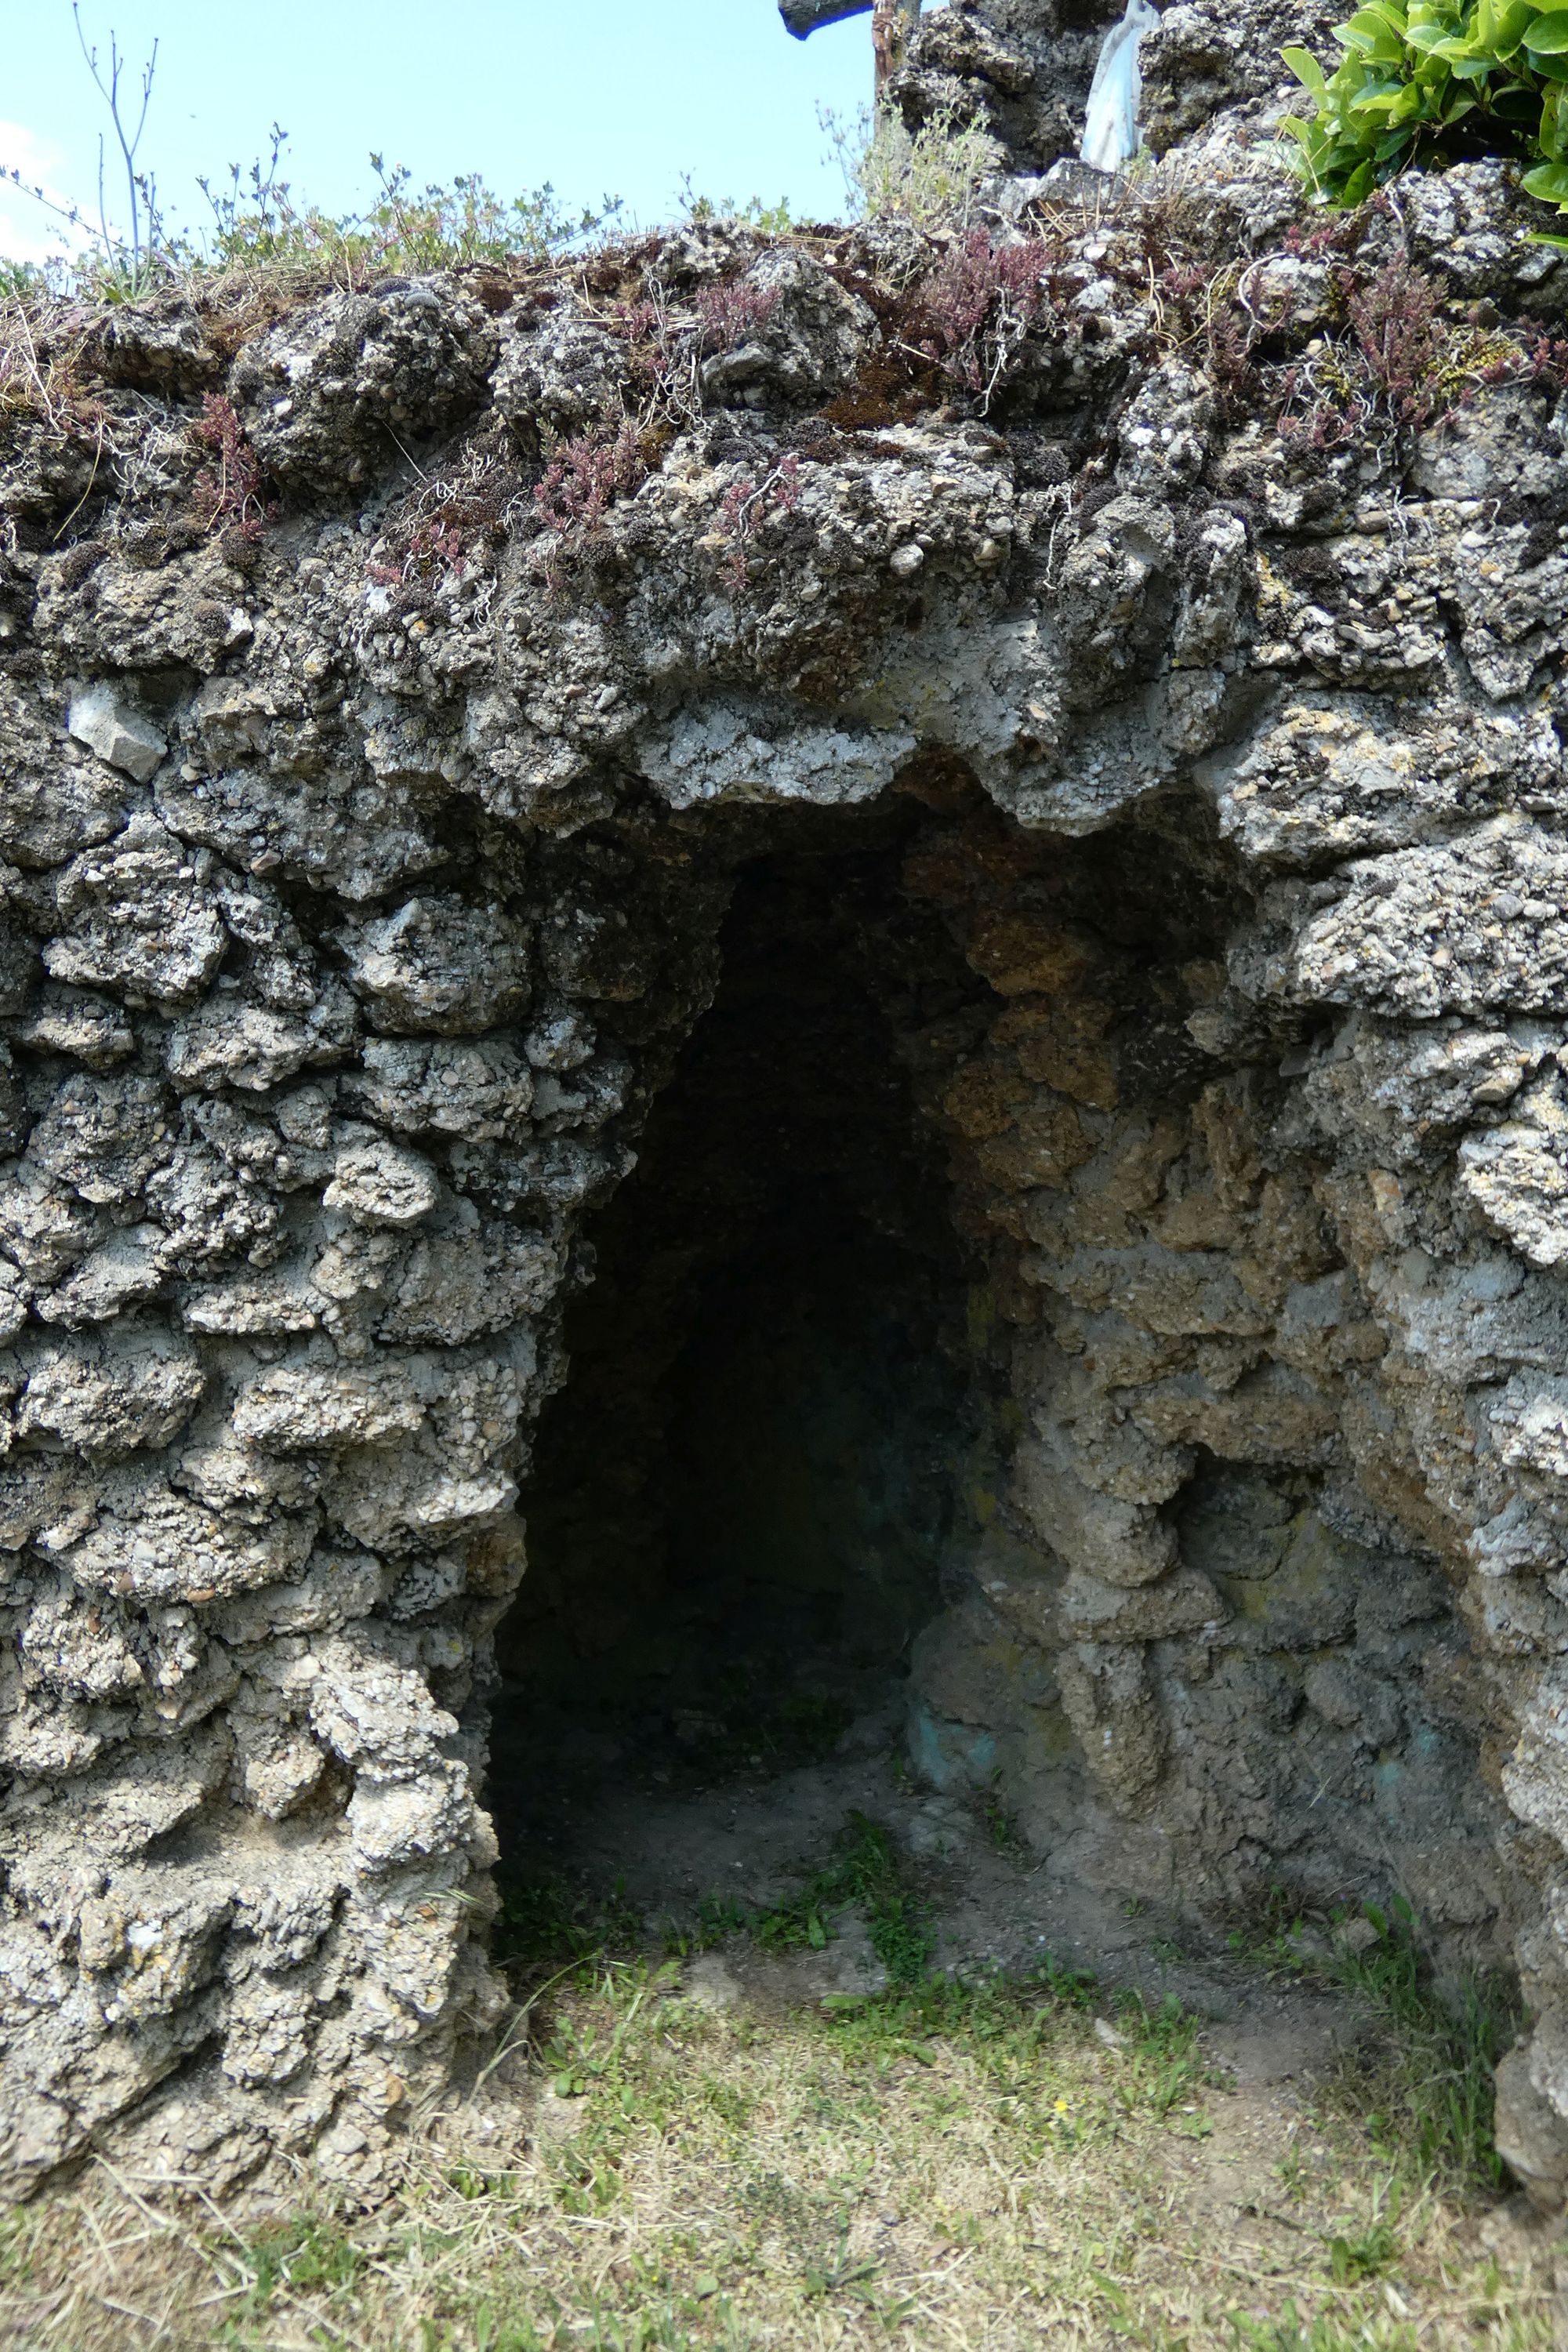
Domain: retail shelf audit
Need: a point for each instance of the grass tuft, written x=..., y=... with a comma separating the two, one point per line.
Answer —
x=549, y=1920
x=1424, y=2086
x=865, y=1871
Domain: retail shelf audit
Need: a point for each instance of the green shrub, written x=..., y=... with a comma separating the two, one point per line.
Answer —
x=1429, y=81
x=256, y=222
x=932, y=179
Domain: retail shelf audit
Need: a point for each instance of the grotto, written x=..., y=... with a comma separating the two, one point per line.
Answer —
x=767, y=980
x=742, y=1499
x=786, y=1461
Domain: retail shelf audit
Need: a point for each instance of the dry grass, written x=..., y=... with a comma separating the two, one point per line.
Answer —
x=991, y=2166
x=37, y=380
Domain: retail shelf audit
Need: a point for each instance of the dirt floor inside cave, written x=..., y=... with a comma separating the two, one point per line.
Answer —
x=663, y=1843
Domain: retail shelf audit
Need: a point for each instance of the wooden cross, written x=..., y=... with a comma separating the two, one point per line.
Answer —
x=892, y=21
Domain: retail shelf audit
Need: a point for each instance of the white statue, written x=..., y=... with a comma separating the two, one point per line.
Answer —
x=1111, y=127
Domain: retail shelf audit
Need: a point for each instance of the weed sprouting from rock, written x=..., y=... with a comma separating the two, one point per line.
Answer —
x=665, y=357
x=257, y=224
x=585, y=478
x=448, y=525
x=978, y=306
x=931, y=178
x=231, y=493
x=1403, y=366
x=731, y=312
x=1545, y=358
x=46, y=385
x=1395, y=321
x=745, y=505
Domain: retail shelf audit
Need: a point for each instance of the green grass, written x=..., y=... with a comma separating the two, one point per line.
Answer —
x=1327, y=2333
x=1167, y=2064
x=964, y=2162
x=544, y=1920
x=548, y=1919
x=866, y=1872
x=1001, y=1825
x=306, y=2254
x=978, y=2159
x=1421, y=2084
x=1427, y=2102
x=256, y=222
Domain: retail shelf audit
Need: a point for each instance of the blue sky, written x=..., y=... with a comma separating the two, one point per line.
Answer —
x=623, y=96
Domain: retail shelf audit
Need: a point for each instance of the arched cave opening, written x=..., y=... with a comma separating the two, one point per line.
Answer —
x=754, y=1488
x=964, y=1378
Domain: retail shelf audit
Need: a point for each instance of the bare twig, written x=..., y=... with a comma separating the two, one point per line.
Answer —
x=140, y=190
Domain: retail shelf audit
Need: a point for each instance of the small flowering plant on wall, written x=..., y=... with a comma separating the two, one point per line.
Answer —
x=1429, y=81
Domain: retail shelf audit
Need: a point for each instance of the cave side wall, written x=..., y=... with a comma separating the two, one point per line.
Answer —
x=366, y=829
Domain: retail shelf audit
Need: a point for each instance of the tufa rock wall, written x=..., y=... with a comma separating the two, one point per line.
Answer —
x=394, y=681
x=1022, y=69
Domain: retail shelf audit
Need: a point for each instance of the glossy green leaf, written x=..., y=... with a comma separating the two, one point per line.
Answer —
x=1409, y=104
x=1372, y=14
x=1373, y=36
x=1307, y=69
x=1513, y=22
x=1549, y=182
x=1549, y=137
x=1410, y=76
x=1382, y=52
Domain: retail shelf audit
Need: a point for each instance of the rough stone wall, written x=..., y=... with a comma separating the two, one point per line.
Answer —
x=1208, y=1534
x=388, y=675
x=1022, y=69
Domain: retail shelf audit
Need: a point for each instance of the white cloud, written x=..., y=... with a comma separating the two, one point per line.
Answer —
x=28, y=230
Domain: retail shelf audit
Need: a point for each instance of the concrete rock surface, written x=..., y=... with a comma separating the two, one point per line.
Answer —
x=361, y=861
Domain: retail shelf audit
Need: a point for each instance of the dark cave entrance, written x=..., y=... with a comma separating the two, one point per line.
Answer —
x=751, y=1494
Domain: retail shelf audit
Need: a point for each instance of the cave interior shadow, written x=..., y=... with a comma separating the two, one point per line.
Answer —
x=756, y=1484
